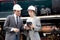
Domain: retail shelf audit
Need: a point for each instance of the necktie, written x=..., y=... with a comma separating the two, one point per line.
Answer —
x=17, y=20
x=16, y=37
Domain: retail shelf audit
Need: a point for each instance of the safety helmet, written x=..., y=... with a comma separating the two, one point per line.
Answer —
x=17, y=7
x=32, y=8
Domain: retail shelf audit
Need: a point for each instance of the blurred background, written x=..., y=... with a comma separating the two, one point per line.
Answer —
x=49, y=18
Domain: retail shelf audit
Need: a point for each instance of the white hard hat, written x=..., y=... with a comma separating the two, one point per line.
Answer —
x=17, y=7
x=31, y=8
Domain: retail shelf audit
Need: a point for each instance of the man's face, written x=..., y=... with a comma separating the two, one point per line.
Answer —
x=17, y=12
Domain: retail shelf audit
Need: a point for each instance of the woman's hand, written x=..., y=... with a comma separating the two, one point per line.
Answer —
x=56, y=28
x=32, y=26
x=26, y=27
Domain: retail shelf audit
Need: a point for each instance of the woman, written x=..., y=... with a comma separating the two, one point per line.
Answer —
x=33, y=24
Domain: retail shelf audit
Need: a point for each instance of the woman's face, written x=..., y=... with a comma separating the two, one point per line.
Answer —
x=31, y=13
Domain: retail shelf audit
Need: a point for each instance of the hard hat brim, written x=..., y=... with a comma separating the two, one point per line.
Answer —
x=30, y=9
x=17, y=9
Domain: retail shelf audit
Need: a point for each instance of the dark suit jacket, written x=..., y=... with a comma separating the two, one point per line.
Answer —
x=10, y=23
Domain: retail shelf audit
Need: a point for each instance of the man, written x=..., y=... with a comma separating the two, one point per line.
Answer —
x=13, y=24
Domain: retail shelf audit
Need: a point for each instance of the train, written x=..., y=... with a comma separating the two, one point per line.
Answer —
x=50, y=20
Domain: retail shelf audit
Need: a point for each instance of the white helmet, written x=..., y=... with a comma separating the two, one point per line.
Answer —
x=17, y=7
x=32, y=8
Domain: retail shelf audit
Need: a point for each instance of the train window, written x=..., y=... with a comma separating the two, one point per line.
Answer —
x=21, y=0
x=56, y=6
x=6, y=0
x=5, y=9
x=6, y=6
x=31, y=0
x=36, y=0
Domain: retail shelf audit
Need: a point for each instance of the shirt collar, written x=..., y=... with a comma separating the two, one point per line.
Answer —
x=15, y=15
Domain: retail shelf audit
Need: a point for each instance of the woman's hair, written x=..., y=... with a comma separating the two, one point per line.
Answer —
x=34, y=12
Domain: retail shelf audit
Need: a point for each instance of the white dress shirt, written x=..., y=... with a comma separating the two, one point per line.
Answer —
x=15, y=20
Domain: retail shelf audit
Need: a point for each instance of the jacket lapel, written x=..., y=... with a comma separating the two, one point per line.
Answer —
x=34, y=21
x=14, y=20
